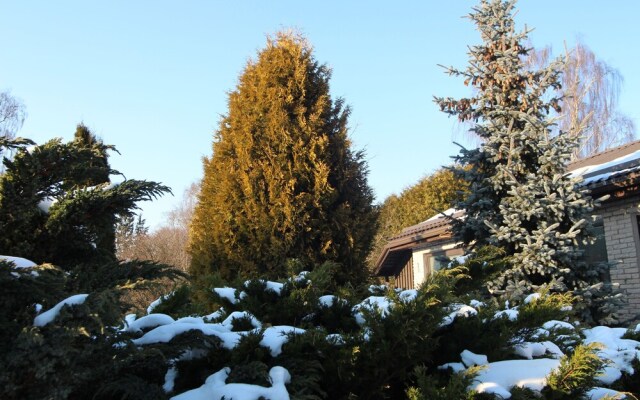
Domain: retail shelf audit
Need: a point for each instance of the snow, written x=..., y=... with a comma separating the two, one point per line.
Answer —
x=165, y=333
x=228, y=322
x=191, y=320
x=511, y=314
x=529, y=350
x=599, y=393
x=372, y=303
x=302, y=276
x=408, y=295
x=146, y=322
x=170, y=379
x=157, y=302
x=215, y=315
x=275, y=287
x=327, y=301
x=335, y=339
x=554, y=324
x=470, y=359
x=275, y=337
x=374, y=289
x=620, y=352
x=215, y=387
x=591, y=169
x=227, y=293
x=447, y=213
x=498, y=377
x=476, y=304
x=19, y=262
x=269, y=285
x=456, y=367
x=458, y=310
x=48, y=316
x=531, y=297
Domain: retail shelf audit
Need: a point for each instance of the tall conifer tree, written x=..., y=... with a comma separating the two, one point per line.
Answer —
x=283, y=182
x=520, y=198
x=57, y=205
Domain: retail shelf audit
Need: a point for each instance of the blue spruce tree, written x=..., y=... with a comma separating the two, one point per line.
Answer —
x=521, y=199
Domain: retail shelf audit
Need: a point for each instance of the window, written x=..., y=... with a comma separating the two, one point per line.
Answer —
x=440, y=259
x=597, y=252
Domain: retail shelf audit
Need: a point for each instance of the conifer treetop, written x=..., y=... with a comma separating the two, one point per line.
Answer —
x=282, y=182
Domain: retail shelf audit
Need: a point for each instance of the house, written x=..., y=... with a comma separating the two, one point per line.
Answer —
x=419, y=249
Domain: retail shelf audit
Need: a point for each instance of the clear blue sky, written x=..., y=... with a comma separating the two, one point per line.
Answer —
x=152, y=77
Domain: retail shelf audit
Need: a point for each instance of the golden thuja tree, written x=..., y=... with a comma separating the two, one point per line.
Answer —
x=283, y=182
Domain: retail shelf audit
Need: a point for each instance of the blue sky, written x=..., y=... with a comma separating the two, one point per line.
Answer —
x=152, y=77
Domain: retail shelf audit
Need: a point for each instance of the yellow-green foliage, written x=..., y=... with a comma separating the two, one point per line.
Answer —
x=282, y=182
x=576, y=374
x=432, y=194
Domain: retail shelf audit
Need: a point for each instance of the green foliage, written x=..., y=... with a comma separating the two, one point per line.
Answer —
x=80, y=354
x=178, y=303
x=500, y=335
x=443, y=386
x=518, y=393
x=15, y=143
x=80, y=224
x=79, y=342
x=576, y=374
x=395, y=344
x=432, y=194
x=547, y=307
x=482, y=265
x=283, y=181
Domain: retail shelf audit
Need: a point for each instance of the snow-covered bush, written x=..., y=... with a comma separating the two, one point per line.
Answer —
x=58, y=325
x=423, y=344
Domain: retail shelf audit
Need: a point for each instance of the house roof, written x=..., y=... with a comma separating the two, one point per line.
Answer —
x=615, y=171
x=397, y=252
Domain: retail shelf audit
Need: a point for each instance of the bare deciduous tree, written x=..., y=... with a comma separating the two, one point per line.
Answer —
x=167, y=244
x=12, y=115
x=591, y=90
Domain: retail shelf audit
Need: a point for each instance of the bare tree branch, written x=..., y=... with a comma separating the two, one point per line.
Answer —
x=590, y=91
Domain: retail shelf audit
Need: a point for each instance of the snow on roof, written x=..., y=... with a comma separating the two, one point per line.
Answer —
x=596, y=168
x=603, y=171
x=444, y=214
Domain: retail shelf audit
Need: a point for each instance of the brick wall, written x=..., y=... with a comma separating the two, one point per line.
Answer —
x=621, y=235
